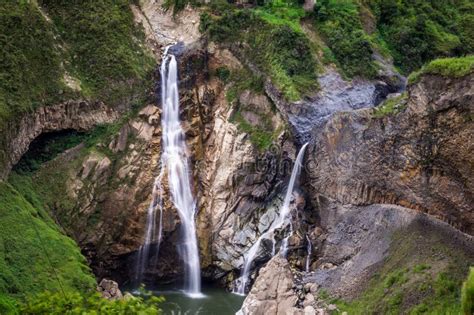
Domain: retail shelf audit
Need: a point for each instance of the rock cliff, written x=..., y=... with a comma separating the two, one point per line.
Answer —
x=419, y=158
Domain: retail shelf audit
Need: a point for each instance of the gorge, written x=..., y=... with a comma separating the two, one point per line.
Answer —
x=237, y=157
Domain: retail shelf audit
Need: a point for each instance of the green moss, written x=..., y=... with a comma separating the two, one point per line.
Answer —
x=447, y=67
x=467, y=298
x=34, y=253
x=262, y=136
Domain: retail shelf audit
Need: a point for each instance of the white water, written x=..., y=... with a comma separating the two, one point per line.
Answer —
x=309, y=249
x=175, y=160
x=144, y=251
x=277, y=224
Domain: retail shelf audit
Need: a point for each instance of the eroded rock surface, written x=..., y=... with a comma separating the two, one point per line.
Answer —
x=420, y=158
x=272, y=292
x=78, y=115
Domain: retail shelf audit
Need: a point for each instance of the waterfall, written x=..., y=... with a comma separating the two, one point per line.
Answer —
x=175, y=161
x=309, y=249
x=150, y=231
x=277, y=224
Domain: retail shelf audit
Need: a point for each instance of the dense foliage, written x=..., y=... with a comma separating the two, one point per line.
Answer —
x=103, y=46
x=418, y=31
x=339, y=23
x=30, y=63
x=34, y=254
x=276, y=48
x=88, y=304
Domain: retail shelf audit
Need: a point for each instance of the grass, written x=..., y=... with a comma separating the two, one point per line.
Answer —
x=239, y=81
x=405, y=283
x=446, y=67
x=260, y=136
x=31, y=245
x=467, y=298
x=390, y=107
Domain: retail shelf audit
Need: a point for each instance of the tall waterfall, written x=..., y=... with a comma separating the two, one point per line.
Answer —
x=175, y=161
x=283, y=217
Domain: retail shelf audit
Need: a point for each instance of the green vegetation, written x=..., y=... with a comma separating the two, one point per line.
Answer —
x=262, y=135
x=78, y=304
x=271, y=42
x=405, y=284
x=391, y=106
x=467, y=298
x=34, y=254
x=95, y=41
x=30, y=63
x=241, y=80
x=447, y=67
x=339, y=23
x=419, y=31
x=103, y=47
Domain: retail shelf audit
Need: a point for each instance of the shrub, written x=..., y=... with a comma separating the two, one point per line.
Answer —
x=339, y=23
x=277, y=50
x=74, y=303
x=418, y=31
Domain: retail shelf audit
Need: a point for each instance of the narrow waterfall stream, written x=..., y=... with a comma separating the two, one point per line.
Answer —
x=277, y=224
x=309, y=250
x=175, y=162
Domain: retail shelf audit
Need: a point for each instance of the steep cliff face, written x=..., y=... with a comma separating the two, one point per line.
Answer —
x=418, y=158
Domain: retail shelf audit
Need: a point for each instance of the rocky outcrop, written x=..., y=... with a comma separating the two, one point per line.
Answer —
x=273, y=291
x=420, y=158
x=78, y=115
x=109, y=290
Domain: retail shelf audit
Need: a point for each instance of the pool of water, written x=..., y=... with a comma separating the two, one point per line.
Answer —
x=216, y=301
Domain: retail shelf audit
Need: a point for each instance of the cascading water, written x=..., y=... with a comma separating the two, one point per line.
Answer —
x=144, y=251
x=277, y=224
x=175, y=158
x=309, y=249
x=175, y=161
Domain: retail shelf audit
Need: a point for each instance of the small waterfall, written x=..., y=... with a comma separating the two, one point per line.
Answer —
x=309, y=249
x=175, y=161
x=277, y=224
x=150, y=231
